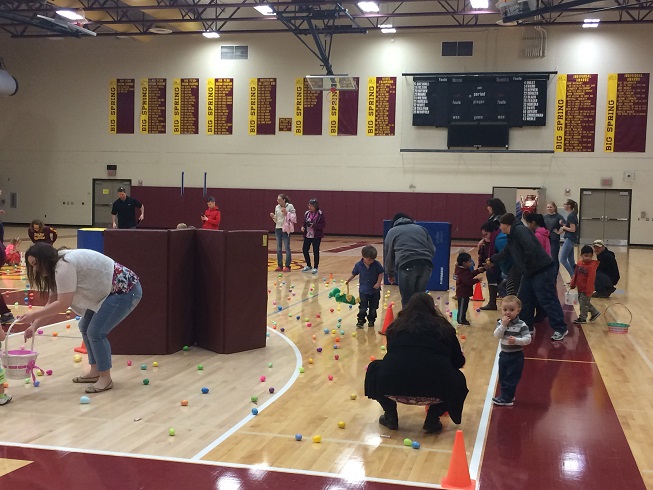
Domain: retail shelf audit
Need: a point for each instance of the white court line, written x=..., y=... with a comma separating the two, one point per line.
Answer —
x=641, y=353
x=286, y=387
x=475, y=463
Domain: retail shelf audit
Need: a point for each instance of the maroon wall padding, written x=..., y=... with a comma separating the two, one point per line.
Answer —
x=181, y=303
x=231, y=290
x=346, y=212
x=145, y=330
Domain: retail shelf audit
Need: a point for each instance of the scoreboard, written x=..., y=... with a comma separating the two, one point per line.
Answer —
x=516, y=99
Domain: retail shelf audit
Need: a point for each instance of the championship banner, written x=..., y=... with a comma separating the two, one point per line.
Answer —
x=262, y=106
x=185, y=105
x=381, y=105
x=308, y=109
x=121, y=105
x=220, y=106
x=626, y=112
x=343, y=112
x=575, y=122
x=153, y=106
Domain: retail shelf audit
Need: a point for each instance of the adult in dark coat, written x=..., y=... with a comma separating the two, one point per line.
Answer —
x=423, y=361
x=607, y=275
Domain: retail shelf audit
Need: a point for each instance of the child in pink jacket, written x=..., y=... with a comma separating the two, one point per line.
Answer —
x=535, y=222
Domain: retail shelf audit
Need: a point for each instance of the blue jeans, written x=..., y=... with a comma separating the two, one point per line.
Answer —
x=95, y=326
x=511, y=365
x=567, y=256
x=540, y=289
x=413, y=280
x=284, y=237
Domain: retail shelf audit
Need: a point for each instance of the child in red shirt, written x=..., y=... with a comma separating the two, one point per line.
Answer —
x=583, y=278
x=465, y=280
x=211, y=216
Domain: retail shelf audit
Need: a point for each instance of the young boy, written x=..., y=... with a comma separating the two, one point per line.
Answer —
x=513, y=334
x=583, y=278
x=465, y=280
x=371, y=277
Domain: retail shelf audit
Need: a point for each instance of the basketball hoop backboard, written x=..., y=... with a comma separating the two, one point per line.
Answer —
x=328, y=82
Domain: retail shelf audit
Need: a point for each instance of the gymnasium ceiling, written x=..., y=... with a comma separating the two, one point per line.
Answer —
x=136, y=18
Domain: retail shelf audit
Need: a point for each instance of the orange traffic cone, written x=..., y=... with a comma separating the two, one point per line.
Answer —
x=331, y=277
x=478, y=293
x=389, y=318
x=458, y=475
x=81, y=349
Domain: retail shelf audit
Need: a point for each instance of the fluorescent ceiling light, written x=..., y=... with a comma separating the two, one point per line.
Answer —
x=69, y=14
x=479, y=4
x=264, y=9
x=389, y=30
x=368, y=7
x=589, y=23
x=211, y=34
x=385, y=26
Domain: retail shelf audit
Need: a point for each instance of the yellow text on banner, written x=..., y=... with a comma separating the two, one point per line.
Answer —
x=144, y=107
x=176, y=106
x=371, y=106
x=210, y=106
x=561, y=101
x=611, y=113
x=253, y=100
x=333, y=114
x=299, y=106
x=113, y=106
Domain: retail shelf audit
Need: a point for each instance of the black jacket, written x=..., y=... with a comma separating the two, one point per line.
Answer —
x=608, y=265
x=525, y=250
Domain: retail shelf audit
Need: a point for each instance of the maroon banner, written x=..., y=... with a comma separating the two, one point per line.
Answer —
x=313, y=104
x=382, y=93
x=631, y=112
x=348, y=111
x=285, y=124
x=185, y=103
x=580, y=113
x=262, y=106
x=121, y=101
x=220, y=106
x=153, y=106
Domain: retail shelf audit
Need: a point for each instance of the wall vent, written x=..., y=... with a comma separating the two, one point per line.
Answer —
x=234, y=52
x=457, y=48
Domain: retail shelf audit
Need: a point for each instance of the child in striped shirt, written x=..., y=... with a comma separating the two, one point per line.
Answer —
x=514, y=334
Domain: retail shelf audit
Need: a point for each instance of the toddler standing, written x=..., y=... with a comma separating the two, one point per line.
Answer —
x=465, y=280
x=583, y=278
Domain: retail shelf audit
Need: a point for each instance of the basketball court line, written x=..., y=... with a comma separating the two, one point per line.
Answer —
x=641, y=353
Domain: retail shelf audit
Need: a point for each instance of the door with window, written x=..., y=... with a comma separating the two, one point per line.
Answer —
x=605, y=215
x=105, y=191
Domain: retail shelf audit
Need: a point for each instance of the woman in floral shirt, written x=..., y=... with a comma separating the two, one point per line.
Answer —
x=98, y=289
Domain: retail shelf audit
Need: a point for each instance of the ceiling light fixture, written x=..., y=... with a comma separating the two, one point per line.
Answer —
x=211, y=34
x=264, y=9
x=368, y=7
x=479, y=4
x=69, y=14
x=589, y=23
x=387, y=29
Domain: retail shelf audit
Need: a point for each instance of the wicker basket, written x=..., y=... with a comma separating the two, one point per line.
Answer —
x=614, y=326
x=18, y=363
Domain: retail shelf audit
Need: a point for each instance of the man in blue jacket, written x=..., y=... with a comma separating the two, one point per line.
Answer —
x=538, y=275
x=408, y=254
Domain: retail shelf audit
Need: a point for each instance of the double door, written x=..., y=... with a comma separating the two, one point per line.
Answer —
x=605, y=215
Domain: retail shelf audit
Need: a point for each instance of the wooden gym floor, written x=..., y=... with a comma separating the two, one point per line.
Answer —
x=583, y=416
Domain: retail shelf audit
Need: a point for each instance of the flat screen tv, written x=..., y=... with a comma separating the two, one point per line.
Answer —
x=478, y=135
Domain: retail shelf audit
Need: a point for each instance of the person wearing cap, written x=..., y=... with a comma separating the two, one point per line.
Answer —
x=607, y=274
x=123, y=213
x=211, y=216
x=408, y=254
x=313, y=230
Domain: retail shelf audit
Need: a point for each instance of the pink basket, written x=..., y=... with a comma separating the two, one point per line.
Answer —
x=20, y=363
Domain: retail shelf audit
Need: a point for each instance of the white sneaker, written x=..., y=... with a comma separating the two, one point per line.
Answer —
x=5, y=399
x=306, y=269
x=314, y=271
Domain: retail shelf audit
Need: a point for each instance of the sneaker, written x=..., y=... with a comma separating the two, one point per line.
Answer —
x=559, y=336
x=278, y=269
x=360, y=325
x=594, y=317
x=286, y=269
x=371, y=324
x=465, y=323
x=4, y=399
x=7, y=318
x=580, y=321
x=314, y=271
x=497, y=400
x=489, y=307
x=306, y=269
x=390, y=423
x=432, y=427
